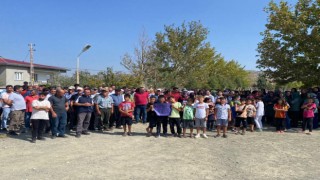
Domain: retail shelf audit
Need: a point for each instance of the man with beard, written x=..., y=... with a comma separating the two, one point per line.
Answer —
x=39, y=117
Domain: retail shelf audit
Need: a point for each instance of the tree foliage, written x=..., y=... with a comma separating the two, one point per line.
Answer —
x=290, y=49
x=181, y=56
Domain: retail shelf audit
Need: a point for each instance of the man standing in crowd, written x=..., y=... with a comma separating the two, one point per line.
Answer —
x=29, y=99
x=74, y=109
x=104, y=109
x=175, y=93
x=18, y=107
x=117, y=100
x=85, y=109
x=141, y=101
x=39, y=117
x=6, y=107
x=59, y=108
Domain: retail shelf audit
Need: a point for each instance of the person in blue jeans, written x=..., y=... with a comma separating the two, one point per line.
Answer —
x=141, y=111
x=59, y=108
x=141, y=101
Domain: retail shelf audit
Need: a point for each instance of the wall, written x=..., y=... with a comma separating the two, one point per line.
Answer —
x=10, y=75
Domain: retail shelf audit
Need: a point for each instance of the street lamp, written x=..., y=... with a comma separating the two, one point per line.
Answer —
x=86, y=47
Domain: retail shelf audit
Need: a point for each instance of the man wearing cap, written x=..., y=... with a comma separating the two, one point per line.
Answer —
x=104, y=110
x=117, y=100
x=85, y=109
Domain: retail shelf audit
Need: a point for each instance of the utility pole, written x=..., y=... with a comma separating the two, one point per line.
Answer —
x=31, y=64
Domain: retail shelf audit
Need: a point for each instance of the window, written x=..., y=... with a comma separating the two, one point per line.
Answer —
x=35, y=77
x=18, y=76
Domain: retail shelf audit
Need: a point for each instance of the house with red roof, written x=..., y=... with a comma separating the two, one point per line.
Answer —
x=15, y=72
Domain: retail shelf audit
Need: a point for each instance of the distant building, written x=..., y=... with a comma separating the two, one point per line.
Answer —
x=16, y=72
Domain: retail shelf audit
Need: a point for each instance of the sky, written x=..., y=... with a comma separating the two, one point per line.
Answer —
x=61, y=28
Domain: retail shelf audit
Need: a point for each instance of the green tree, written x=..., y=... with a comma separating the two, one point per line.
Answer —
x=181, y=53
x=264, y=83
x=290, y=48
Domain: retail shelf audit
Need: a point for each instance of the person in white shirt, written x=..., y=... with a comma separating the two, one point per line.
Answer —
x=201, y=112
x=259, y=113
x=40, y=114
x=6, y=107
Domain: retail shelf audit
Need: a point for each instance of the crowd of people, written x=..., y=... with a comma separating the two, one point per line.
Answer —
x=57, y=110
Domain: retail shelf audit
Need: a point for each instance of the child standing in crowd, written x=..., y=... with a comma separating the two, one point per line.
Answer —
x=210, y=123
x=259, y=114
x=126, y=109
x=251, y=113
x=241, y=117
x=151, y=116
x=174, y=118
x=188, y=118
x=308, y=115
x=223, y=116
x=280, y=108
x=201, y=111
x=234, y=104
x=162, y=117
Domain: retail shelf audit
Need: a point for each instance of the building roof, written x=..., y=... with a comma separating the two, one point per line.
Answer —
x=9, y=62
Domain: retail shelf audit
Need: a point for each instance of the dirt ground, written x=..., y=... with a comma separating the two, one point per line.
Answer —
x=265, y=155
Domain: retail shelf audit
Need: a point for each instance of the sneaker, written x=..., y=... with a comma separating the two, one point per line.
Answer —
x=78, y=135
x=33, y=140
x=197, y=136
x=53, y=136
x=216, y=136
x=13, y=133
x=62, y=136
x=124, y=134
x=41, y=138
x=224, y=136
x=205, y=136
x=158, y=136
x=85, y=133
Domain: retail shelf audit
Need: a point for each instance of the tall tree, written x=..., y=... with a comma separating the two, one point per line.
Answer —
x=141, y=63
x=290, y=49
x=182, y=52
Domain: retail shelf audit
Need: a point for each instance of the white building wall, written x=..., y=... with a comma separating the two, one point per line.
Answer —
x=11, y=76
